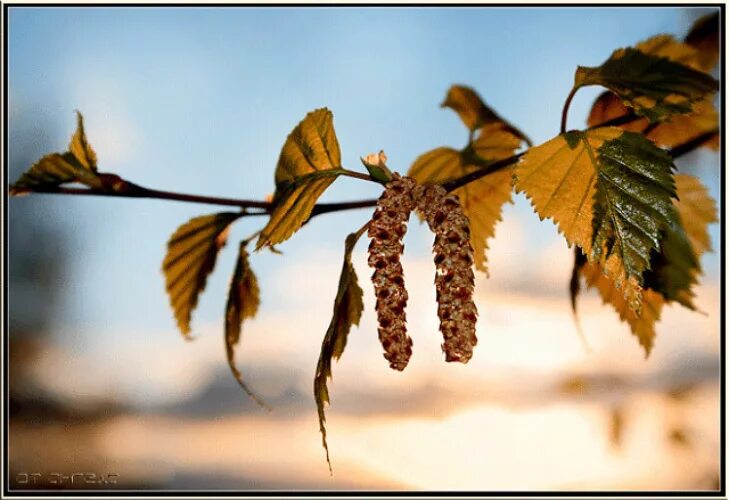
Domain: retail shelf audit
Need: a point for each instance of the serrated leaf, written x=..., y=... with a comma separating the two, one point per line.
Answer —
x=704, y=37
x=676, y=267
x=309, y=162
x=78, y=164
x=348, y=307
x=51, y=171
x=654, y=86
x=676, y=129
x=80, y=147
x=474, y=113
x=609, y=192
x=482, y=199
x=243, y=302
x=191, y=254
x=696, y=210
x=641, y=325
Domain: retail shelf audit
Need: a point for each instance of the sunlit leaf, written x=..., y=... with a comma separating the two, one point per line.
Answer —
x=243, y=302
x=482, y=199
x=51, y=171
x=80, y=147
x=654, y=86
x=608, y=191
x=704, y=37
x=348, y=308
x=76, y=165
x=474, y=113
x=309, y=162
x=697, y=210
x=191, y=254
x=641, y=325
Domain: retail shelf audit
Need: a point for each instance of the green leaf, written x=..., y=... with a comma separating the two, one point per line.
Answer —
x=348, y=308
x=191, y=254
x=655, y=87
x=673, y=273
x=482, y=199
x=633, y=202
x=675, y=269
x=76, y=165
x=610, y=192
x=474, y=113
x=309, y=162
x=243, y=302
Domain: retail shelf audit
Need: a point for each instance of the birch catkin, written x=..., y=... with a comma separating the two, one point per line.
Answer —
x=454, y=278
x=387, y=229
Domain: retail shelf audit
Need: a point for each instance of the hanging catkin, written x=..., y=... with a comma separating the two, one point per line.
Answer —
x=454, y=272
x=387, y=229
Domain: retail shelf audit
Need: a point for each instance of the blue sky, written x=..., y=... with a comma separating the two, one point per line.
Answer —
x=201, y=100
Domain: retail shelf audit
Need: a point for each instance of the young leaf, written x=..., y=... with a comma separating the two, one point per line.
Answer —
x=309, y=162
x=78, y=164
x=376, y=165
x=191, y=254
x=51, y=171
x=348, y=308
x=80, y=147
x=474, y=113
x=482, y=199
x=654, y=86
x=609, y=192
x=243, y=301
x=696, y=211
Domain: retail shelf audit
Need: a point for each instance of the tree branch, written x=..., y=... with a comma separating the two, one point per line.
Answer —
x=126, y=189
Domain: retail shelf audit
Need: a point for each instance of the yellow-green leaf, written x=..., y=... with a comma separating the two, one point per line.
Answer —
x=51, y=171
x=80, y=147
x=191, y=254
x=609, y=192
x=654, y=86
x=309, y=162
x=483, y=199
x=76, y=165
x=348, y=308
x=243, y=302
x=474, y=113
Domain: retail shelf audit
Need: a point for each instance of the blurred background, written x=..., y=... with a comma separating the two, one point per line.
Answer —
x=200, y=100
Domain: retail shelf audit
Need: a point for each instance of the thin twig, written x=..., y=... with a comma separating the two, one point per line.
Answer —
x=130, y=190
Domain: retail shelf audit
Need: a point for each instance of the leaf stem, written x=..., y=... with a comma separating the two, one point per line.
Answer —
x=357, y=175
x=565, y=110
